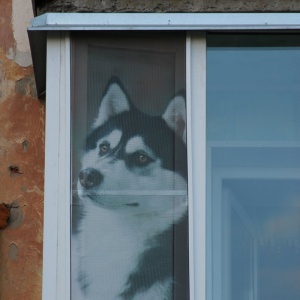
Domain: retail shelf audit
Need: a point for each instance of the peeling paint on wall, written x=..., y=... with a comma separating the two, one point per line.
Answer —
x=21, y=14
x=13, y=251
x=22, y=119
x=4, y=215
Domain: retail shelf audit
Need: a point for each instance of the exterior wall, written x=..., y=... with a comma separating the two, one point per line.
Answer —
x=43, y=6
x=21, y=158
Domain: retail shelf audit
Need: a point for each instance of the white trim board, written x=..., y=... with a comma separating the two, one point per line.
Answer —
x=163, y=21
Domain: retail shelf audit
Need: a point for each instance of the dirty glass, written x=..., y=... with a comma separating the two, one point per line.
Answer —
x=253, y=166
x=129, y=167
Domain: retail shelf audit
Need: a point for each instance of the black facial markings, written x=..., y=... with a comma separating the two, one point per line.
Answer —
x=138, y=159
x=155, y=133
x=99, y=133
x=134, y=204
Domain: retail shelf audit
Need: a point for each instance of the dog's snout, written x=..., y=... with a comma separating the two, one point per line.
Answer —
x=90, y=177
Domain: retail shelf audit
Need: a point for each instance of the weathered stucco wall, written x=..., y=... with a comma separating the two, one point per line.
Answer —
x=21, y=158
x=166, y=6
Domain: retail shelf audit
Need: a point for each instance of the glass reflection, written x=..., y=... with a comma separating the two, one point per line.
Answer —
x=253, y=125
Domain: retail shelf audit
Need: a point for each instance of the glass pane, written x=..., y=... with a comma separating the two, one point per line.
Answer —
x=129, y=167
x=253, y=167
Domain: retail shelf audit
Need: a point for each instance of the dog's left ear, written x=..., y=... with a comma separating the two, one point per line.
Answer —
x=175, y=116
x=114, y=102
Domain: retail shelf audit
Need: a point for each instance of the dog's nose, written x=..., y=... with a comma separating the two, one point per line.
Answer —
x=90, y=177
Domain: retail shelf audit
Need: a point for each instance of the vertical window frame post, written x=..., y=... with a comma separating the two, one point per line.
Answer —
x=56, y=263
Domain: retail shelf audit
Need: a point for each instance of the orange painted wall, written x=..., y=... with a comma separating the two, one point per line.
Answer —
x=22, y=119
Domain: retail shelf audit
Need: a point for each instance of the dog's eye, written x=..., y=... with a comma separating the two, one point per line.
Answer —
x=138, y=159
x=104, y=148
x=142, y=159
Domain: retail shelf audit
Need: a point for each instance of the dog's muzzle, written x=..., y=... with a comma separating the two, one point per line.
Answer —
x=90, y=178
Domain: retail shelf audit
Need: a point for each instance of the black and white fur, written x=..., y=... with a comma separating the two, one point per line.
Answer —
x=124, y=244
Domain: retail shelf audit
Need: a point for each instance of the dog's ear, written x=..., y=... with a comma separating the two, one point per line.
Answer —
x=114, y=102
x=175, y=116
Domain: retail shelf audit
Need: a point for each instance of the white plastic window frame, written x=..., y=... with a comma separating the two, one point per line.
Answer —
x=56, y=261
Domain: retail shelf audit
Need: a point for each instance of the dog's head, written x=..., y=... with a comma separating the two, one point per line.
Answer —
x=131, y=157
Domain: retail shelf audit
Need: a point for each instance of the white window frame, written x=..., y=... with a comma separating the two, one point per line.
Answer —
x=50, y=42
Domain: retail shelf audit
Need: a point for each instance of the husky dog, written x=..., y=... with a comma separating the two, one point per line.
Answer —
x=132, y=238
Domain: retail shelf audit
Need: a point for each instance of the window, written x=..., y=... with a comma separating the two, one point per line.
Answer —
x=227, y=86
x=129, y=207
x=253, y=159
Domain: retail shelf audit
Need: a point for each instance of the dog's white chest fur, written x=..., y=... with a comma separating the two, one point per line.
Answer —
x=109, y=247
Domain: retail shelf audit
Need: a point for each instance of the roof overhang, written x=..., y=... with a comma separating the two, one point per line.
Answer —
x=40, y=25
